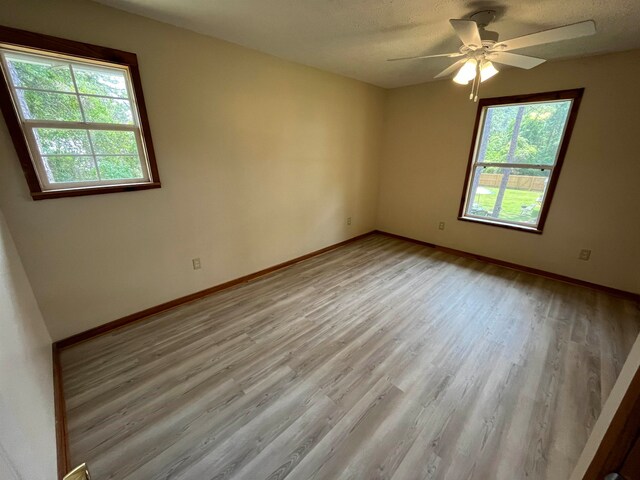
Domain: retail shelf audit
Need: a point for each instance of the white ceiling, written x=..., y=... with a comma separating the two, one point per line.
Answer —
x=355, y=37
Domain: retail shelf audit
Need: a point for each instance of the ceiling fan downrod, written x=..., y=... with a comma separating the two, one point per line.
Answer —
x=475, y=86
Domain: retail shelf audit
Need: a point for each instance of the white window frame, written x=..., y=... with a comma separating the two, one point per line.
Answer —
x=28, y=125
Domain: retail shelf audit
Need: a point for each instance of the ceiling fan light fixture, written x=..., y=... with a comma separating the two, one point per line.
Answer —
x=487, y=71
x=466, y=73
x=480, y=44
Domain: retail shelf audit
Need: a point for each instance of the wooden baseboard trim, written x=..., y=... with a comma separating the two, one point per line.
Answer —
x=406, y=239
x=121, y=322
x=522, y=268
x=60, y=415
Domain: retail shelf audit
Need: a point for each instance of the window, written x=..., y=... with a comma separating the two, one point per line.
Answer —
x=76, y=118
x=517, y=152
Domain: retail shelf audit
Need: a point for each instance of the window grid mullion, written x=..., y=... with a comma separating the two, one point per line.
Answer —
x=77, y=93
x=81, y=125
x=84, y=119
x=44, y=90
x=88, y=154
x=513, y=165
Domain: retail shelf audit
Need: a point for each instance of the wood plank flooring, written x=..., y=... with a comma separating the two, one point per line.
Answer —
x=379, y=360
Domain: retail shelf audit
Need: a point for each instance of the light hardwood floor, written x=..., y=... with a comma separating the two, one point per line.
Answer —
x=381, y=359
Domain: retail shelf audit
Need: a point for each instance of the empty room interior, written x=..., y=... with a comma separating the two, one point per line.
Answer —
x=279, y=239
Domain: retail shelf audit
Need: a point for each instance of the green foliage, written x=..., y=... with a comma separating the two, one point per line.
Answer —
x=34, y=73
x=538, y=138
x=110, y=84
x=70, y=169
x=68, y=153
x=75, y=167
x=57, y=141
x=40, y=74
x=514, y=204
x=107, y=110
x=112, y=168
x=49, y=106
x=114, y=142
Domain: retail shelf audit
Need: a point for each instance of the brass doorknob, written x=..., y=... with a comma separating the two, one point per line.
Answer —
x=81, y=472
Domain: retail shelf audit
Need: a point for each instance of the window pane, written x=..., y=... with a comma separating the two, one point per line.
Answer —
x=123, y=167
x=509, y=194
x=54, y=141
x=111, y=83
x=30, y=71
x=79, y=118
x=49, y=106
x=107, y=110
x=114, y=142
x=528, y=133
x=70, y=169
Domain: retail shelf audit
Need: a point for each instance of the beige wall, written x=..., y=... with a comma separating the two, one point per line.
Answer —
x=27, y=435
x=596, y=204
x=261, y=161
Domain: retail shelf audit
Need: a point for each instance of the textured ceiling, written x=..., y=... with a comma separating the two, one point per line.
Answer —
x=355, y=37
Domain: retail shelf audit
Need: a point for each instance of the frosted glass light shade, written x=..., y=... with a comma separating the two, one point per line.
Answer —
x=487, y=71
x=466, y=73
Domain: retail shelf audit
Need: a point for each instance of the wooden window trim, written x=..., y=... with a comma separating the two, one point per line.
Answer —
x=572, y=94
x=50, y=44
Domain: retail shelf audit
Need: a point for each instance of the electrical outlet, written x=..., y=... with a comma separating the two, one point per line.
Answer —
x=196, y=264
x=585, y=254
x=441, y=226
x=348, y=220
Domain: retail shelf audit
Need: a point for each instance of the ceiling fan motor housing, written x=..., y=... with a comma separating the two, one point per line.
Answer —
x=488, y=36
x=483, y=17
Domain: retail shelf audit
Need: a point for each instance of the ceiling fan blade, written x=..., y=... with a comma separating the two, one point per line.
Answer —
x=452, y=68
x=451, y=55
x=515, y=60
x=567, y=32
x=468, y=32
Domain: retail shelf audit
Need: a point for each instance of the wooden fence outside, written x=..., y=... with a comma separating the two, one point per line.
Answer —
x=518, y=182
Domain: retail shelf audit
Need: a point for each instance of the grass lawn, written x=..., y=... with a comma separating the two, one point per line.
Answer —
x=512, y=204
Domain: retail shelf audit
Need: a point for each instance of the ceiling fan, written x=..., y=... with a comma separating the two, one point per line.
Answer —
x=481, y=49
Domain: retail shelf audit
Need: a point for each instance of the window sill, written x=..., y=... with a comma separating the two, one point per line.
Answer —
x=78, y=192
x=510, y=226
